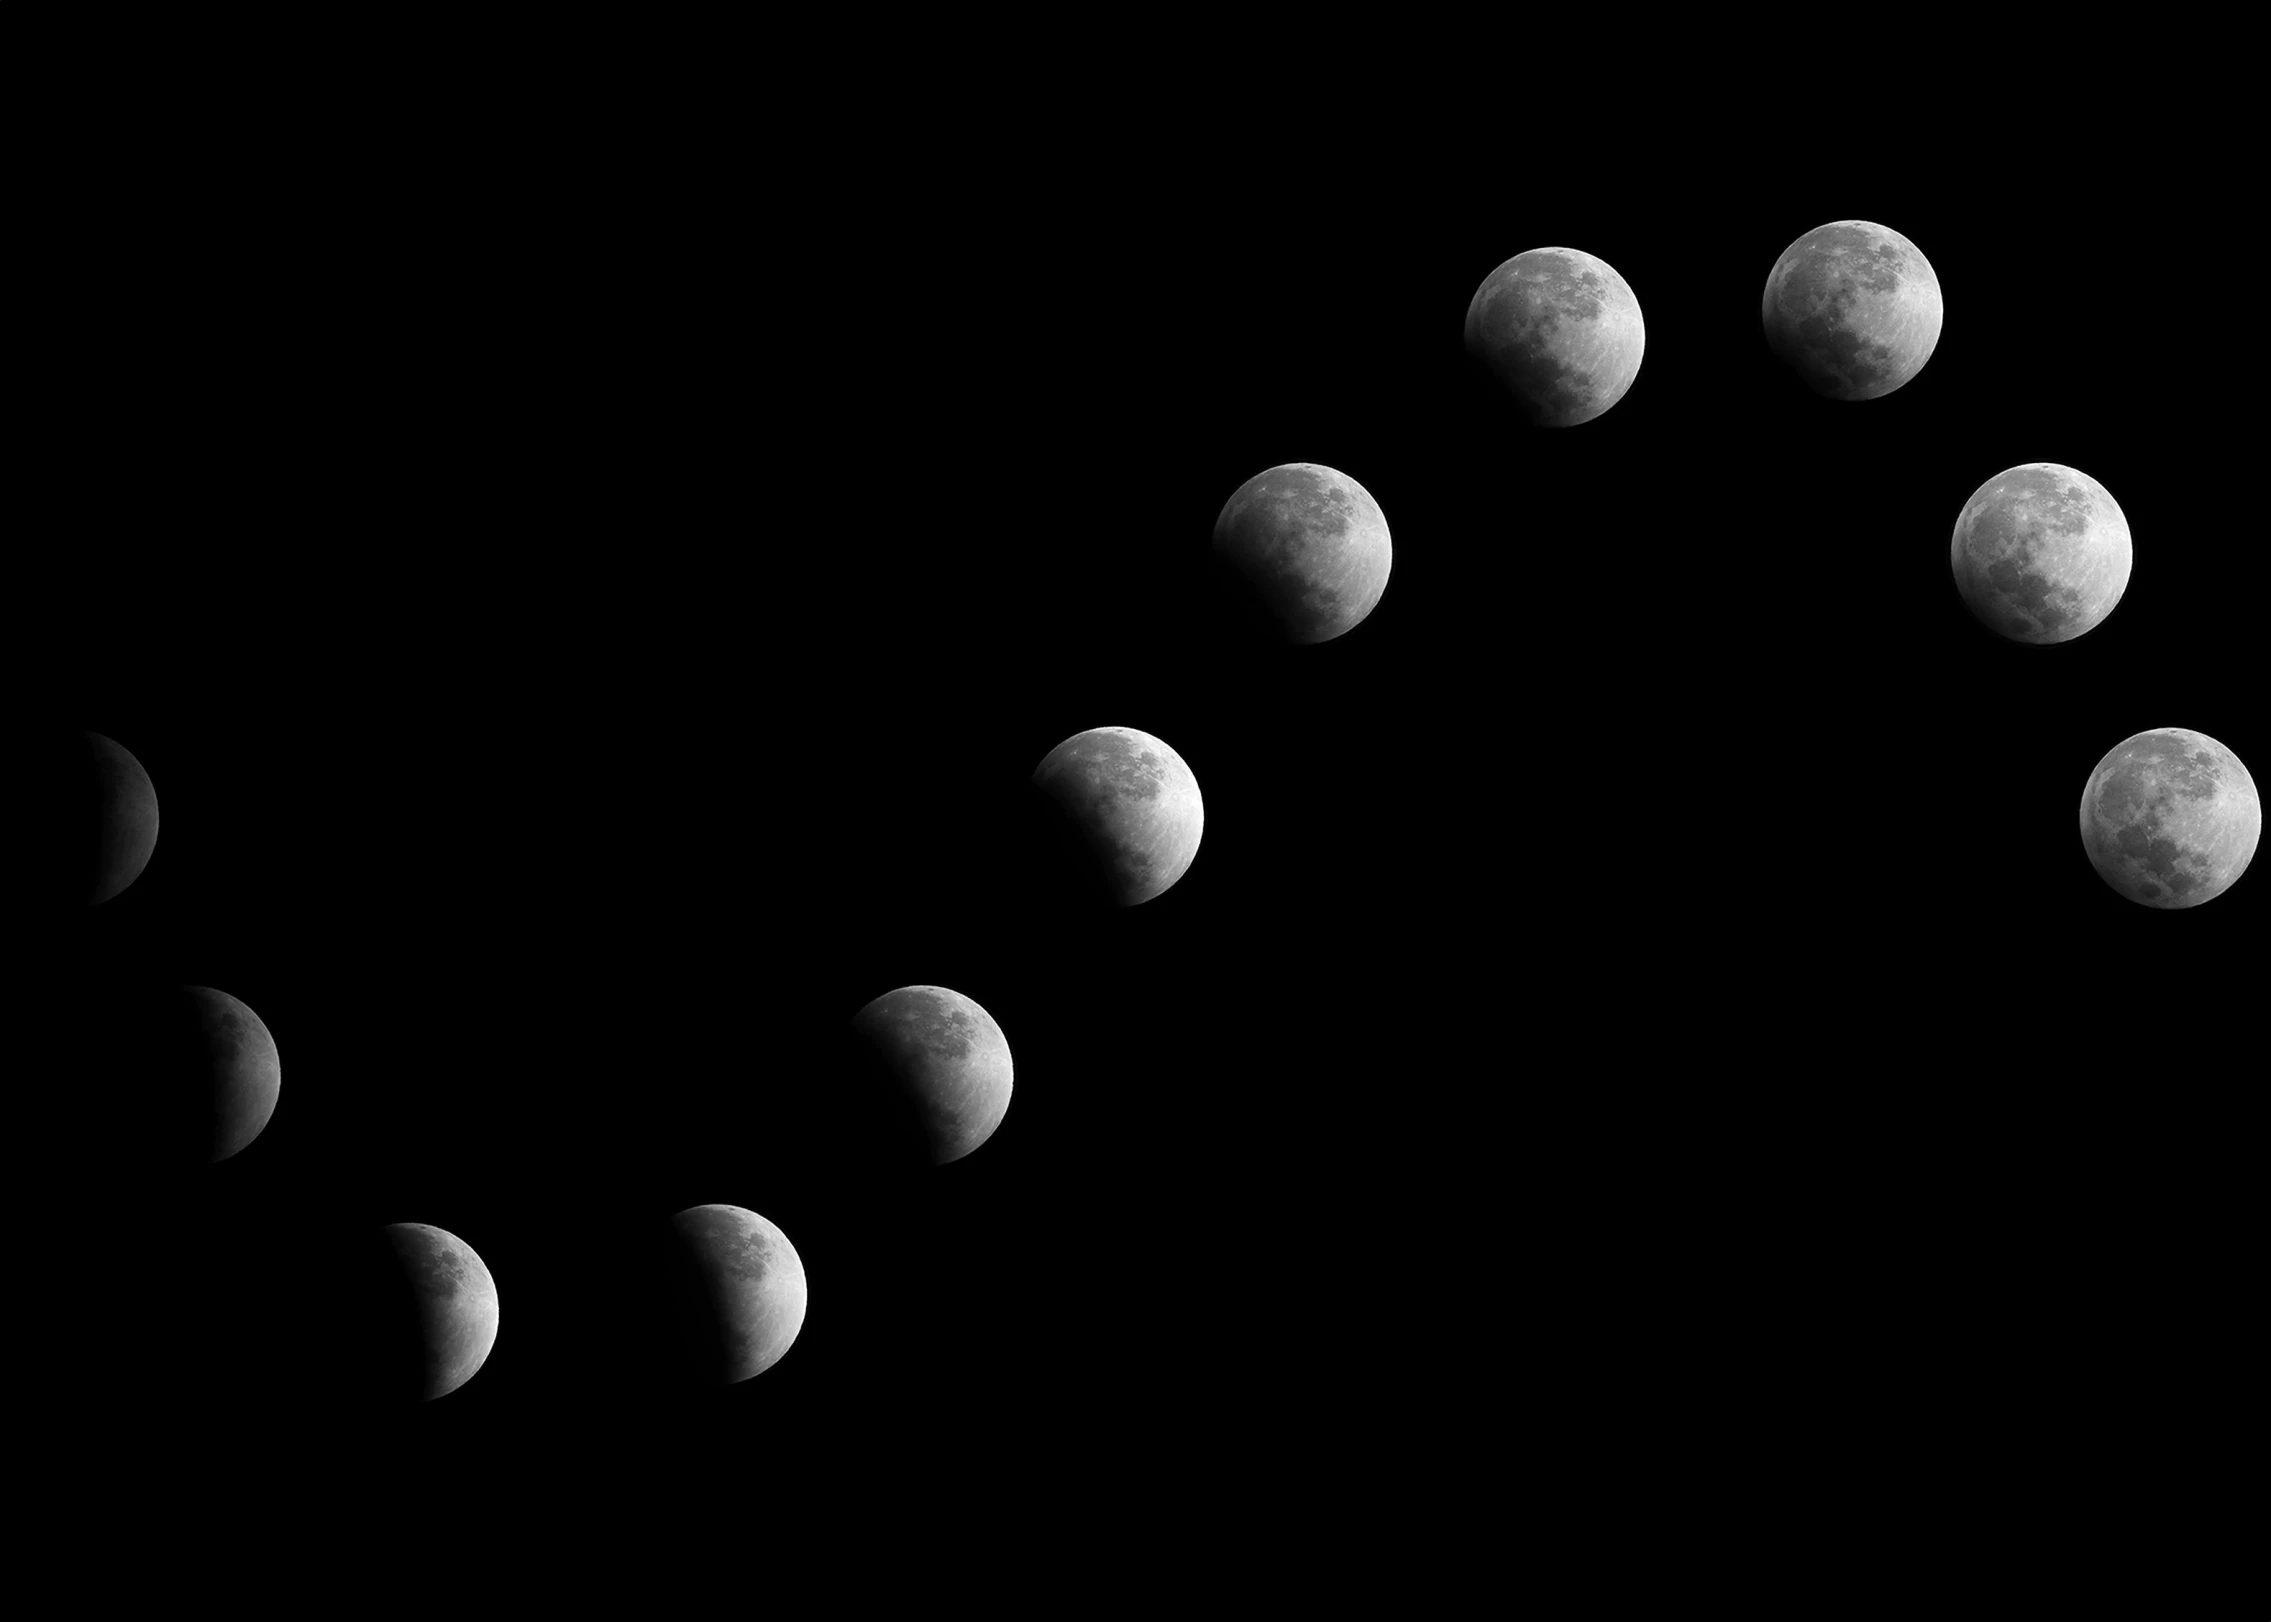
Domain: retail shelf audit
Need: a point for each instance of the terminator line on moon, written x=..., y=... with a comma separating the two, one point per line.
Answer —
x=1561, y=333
x=2170, y=818
x=1853, y=309
x=2041, y=553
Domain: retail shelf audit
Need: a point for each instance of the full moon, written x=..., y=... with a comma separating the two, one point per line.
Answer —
x=455, y=1300
x=1311, y=544
x=1560, y=331
x=1131, y=805
x=2170, y=818
x=2040, y=553
x=940, y=1067
x=749, y=1289
x=1853, y=309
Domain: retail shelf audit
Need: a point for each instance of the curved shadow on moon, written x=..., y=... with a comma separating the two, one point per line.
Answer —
x=370, y=1325
x=1073, y=863
x=1493, y=403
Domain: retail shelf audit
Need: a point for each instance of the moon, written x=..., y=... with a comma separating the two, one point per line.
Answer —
x=91, y=818
x=1853, y=309
x=1312, y=546
x=455, y=1300
x=2041, y=553
x=239, y=1057
x=1131, y=806
x=196, y=1071
x=940, y=1069
x=2170, y=818
x=1560, y=331
x=749, y=1291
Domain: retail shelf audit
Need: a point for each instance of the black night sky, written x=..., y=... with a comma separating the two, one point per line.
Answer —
x=590, y=618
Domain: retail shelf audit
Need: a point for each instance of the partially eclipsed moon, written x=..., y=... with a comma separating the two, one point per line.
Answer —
x=942, y=1063
x=242, y=1067
x=456, y=1300
x=755, y=1286
x=1312, y=546
x=1131, y=803
x=1560, y=331
x=1853, y=309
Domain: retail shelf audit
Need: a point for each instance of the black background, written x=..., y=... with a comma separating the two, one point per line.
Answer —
x=590, y=600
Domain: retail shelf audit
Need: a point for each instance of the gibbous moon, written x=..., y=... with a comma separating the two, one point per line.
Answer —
x=938, y=1069
x=1131, y=809
x=741, y=1291
x=455, y=1302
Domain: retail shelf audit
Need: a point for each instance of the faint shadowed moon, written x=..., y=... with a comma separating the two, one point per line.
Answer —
x=89, y=819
